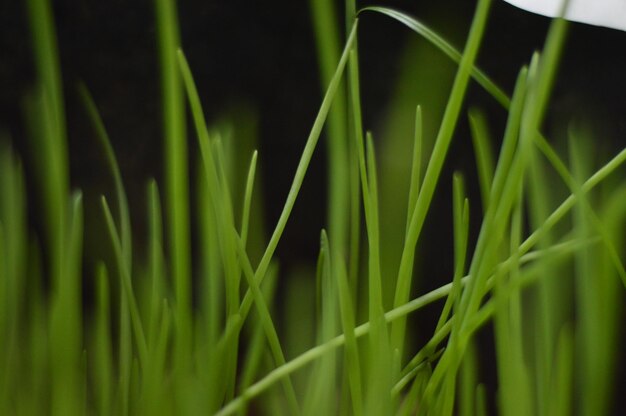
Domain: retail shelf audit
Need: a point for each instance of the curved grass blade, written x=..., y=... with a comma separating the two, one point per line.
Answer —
x=142, y=347
x=105, y=143
x=431, y=36
x=247, y=199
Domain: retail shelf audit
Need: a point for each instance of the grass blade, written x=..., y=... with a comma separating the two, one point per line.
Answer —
x=433, y=170
x=176, y=173
x=444, y=46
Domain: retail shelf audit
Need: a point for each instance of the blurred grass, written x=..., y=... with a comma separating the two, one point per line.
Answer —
x=180, y=336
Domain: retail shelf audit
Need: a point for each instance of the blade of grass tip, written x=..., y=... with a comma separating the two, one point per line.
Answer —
x=591, y=331
x=227, y=224
x=268, y=325
x=435, y=164
x=561, y=403
x=353, y=114
x=360, y=147
x=548, y=313
x=348, y=319
x=416, y=167
x=37, y=341
x=247, y=199
x=224, y=222
x=483, y=152
x=300, y=170
x=65, y=320
x=439, y=42
x=135, y=318
x=425, y=355
x=508, y=163
x=494, y=227
x=103, y=345
x=219, y=199
x=468, y=381
x=52, y=141
x=125, y=354
x=355, y=225
x=211, y=282
x=326, y=31
x=153, y=400
x=215, y=161
x=153, y=373
x=481, y=400
x=321, y=384
x=157, y=274
x=176, y=173
x=359, y=177
x=125, y=237
x=256, y=346
x=105, y=143
x=378, y=400
x=375, y=287
x=322, y=260
x=460, y=208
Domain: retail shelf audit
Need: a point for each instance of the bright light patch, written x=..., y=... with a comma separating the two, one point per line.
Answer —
x=607, y=13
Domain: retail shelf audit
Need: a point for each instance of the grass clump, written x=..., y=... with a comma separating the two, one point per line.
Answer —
x=546, y=274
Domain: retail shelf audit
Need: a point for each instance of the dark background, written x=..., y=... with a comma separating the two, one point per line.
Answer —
x=261, y=56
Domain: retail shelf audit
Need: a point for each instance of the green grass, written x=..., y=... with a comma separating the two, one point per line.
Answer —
x=546, y=277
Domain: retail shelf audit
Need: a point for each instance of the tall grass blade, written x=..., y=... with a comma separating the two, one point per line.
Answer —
x=435, y=165
x=176, y=173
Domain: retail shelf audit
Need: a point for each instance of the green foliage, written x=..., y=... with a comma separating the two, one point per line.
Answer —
x=547, y=275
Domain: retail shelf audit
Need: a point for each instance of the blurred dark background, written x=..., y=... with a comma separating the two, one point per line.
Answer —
x=259, y=58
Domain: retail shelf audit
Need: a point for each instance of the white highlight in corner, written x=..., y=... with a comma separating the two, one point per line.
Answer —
x=606, y=13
